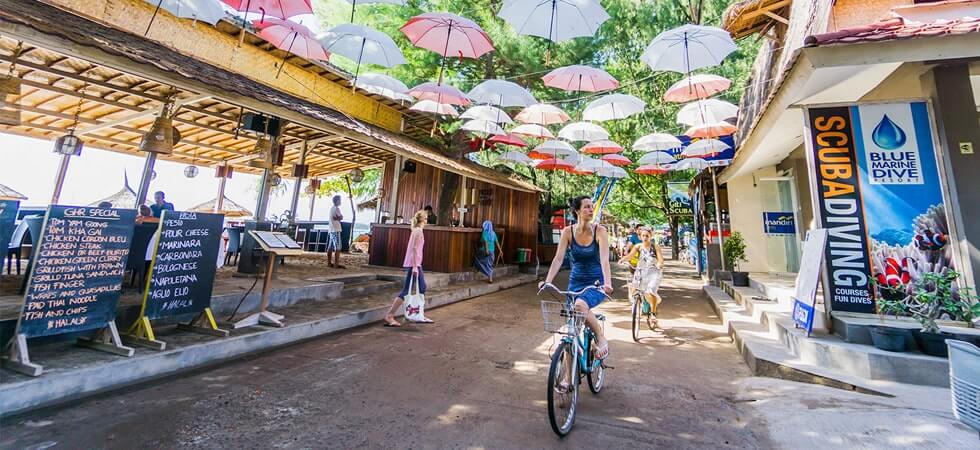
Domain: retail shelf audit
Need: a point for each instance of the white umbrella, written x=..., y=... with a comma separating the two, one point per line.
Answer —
x=483, y=126
x=385, y=85
x=361, y=44
x=657, y=141
x=705, y=147
x=656, y=158
x=574, y=158
x=554, y=20
x=592, y=165
x=691, y=164
x=583, y=132
x=532, y=130
x=688, y=48
x=431, y=107
x=542, y=114
x=487, y=112
x=706, y=111
x=613, y=107
x=515, y=157
x=209, y=11
x=611, y=172
x=501, y=93
x=555, y=148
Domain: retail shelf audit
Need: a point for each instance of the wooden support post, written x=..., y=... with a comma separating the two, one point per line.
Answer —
x=18, y=359
x=204, y=323
x=141, y=334
x=264, y=317
x=107, y=340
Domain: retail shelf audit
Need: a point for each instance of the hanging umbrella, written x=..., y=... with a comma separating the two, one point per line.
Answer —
x=555, y=148
x=279, y=9
x=591, y=165
x=362, y=44
x=691, y=164
x=440, y=93
x=484, y=127
x=556, y=21
x=580, y=79
x=292, y=37
x=657, y=141
x=705, y=147
x=507, y=139
x=688, y=48
x=706, y=111
x=385, y=85
x=515, y=157
x=617, y=159
x=553, y=164
x=694, y=87
x=431, y=107
x=711, y=130
x=542, y=114
x=602, y=147
x=209, y=11
x=613, y=107
x=583, y=132
x=448, y=35
x=652, y=169
x=657, y=158
x=487, y=112
x=611, y=172
x=532, y=130
x=501, y=93
x=354, y=3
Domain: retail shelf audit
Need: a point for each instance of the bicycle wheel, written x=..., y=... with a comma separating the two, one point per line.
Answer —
x=562, y=405
x=636, y=318
x=597, y=374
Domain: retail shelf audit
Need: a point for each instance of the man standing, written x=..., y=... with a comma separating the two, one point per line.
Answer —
x=431, y=220
x=160, y=204
x=333, y=247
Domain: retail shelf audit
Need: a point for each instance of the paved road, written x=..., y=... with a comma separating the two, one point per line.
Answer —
x=476, y=378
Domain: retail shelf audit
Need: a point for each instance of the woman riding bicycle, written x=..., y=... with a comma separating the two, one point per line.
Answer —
x=590, y=265
x=648, y=270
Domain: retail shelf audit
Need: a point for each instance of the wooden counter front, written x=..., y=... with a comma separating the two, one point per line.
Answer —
x=446, y=249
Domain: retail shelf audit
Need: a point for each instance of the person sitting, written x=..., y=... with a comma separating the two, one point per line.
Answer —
x=105, y=204
x=431, y=219
x=145, y=216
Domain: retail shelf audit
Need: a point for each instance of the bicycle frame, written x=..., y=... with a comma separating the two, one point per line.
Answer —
x=582, y=342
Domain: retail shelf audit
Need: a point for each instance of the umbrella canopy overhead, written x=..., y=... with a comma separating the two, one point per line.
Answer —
x=613, y=107
x=487, y=112
x=554, y=164
x=591, y=165
x=532, y=130
x=230, y=208
x=281, y=9
x=483, y=127
x=208, y=11
x=706, y=111
x=431, y=107
x=439, y=93
x=542, y=114
x=617, y=159
x=554, y=20
x=362, y=44
x=652, y=169
x=711, y=130
x=555, y=148
x=501, y=93
x=515, y=157
x=507, y=139
x=448, y=35
x=291, y=37
x=611, y=172
x=385, y=85
x=583, y=132
x=691, y=164
x=705, y=147
x=656, y=142
x=657, y=158
x=694, y=87
x=602, y=147
x=688, y=48
x=580, y=79
x=6, y=193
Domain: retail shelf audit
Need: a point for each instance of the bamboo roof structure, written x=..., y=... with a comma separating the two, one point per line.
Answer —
x=229, y=208
x=125, y=198
x=7, y=193
x=748, y=17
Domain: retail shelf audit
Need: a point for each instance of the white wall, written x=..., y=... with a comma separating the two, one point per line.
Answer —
x=745, y=209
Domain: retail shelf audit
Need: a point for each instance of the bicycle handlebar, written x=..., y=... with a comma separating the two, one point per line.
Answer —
x=571, y=293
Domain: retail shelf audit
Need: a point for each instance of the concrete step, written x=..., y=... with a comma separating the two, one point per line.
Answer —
x=369, y=287
x=347, y=278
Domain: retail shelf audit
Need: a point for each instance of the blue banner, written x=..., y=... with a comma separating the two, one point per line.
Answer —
x=779, y=223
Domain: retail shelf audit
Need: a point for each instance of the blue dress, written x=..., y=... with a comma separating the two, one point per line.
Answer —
x=586, y=270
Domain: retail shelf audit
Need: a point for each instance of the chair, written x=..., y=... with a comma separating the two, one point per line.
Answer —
x=964, y=380
x=34, y=228
x=15, y=245
x=234, y=244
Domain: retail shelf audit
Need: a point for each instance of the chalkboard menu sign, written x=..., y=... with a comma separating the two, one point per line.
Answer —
x=8, y=214
x=184, y=263
x=78, y=269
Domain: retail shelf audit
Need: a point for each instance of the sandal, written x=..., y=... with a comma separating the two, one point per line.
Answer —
x=602, y=352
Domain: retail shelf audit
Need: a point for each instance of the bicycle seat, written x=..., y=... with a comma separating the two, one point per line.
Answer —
x=600, y=316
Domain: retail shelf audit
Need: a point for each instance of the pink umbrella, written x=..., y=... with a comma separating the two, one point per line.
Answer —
x=581, y=79
x=603, y=147
x=507, y=139
x=616, y=159
x=711, y=130
x=280, y=9
x=448, y=35
x=439, y=93
x=696, y=87
x=291, y=37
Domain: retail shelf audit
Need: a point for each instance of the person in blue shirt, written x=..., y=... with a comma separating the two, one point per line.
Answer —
x=634, y=236
x=160, y=204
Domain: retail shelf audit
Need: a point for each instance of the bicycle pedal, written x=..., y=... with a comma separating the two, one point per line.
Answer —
x=604, y=366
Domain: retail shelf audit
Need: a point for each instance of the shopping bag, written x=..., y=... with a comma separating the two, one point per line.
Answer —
x=415, y=302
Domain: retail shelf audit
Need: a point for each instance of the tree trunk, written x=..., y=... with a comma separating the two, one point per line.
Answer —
x=448, y=196
x=675, y=247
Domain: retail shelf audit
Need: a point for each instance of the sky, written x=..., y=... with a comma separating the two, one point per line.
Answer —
x=29, y=166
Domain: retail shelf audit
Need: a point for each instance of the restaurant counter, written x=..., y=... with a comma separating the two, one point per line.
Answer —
x=447, y=249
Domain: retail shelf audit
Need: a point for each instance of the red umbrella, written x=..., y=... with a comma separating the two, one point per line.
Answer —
x=711, y=130
x=616, y=160
x=554, y=164
x=539, y=156
x=282, y=9
x=291, y=37
x=507, y=139
x=580, y=78
x=602, y=147
x=448, y=35
x=652, y=169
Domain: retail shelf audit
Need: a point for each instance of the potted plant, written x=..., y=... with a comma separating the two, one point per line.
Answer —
x=937, y=296
x=890, y=301
x=734, y=248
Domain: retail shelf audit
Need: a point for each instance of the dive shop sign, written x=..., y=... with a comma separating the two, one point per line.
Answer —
x=880, y=198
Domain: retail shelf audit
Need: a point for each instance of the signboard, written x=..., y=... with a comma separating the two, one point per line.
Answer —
x=880, y=197
x=779, y=223
x=183, y=264
x=808, y=277
x=679, y=198
x=8, y=214
x=78, y=269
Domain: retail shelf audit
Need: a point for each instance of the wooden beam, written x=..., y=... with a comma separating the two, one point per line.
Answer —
x=139, y=115
x=776, y=17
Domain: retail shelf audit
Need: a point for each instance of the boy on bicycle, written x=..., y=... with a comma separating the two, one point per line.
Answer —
x=647, y=261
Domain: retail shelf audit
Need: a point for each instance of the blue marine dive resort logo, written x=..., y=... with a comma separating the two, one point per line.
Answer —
x=892, y=159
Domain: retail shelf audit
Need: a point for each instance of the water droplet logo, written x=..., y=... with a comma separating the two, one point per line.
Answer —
x=888, y=135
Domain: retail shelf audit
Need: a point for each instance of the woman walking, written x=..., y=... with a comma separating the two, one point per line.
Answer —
x=590, y=265
x=413, y=264
x=487, y=252
x=649, y=264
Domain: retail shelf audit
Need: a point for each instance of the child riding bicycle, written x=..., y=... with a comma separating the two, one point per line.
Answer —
x=648, y=271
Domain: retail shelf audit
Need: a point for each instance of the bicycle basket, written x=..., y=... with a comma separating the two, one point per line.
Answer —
x=556, y=316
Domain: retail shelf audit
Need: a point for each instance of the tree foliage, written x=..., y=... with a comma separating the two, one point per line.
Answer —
x=525, y=59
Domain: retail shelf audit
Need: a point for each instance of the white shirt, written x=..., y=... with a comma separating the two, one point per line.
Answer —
x=334, y=223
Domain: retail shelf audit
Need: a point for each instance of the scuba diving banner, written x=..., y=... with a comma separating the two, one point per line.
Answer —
x=880, y=197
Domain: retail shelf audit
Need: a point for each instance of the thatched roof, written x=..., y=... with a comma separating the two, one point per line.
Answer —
x=229, y=208
x=750, y=16
x=125, y=198
x=9, y=194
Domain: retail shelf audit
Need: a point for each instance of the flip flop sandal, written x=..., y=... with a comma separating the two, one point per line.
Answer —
x=602, y=352
x=391, y=325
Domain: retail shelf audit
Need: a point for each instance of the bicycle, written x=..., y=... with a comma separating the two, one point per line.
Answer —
x=576, y=348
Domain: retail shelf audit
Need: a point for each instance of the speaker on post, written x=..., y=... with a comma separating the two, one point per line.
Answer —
x=409, y=166
x=261, y=124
